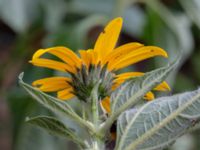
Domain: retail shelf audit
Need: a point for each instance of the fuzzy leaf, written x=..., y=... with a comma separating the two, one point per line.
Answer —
x=134, y=89
x=159, y=123
x=47, y=101
x=55, y=127
x=53, y=104
x=51, y=125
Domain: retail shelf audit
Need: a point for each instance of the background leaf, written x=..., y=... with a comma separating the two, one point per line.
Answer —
x=18, y=14
x=192, y=9
x=170, y=30
x=32, y=138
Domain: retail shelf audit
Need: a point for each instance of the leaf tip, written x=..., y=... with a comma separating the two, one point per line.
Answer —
x=27, y=119
x=21, y=75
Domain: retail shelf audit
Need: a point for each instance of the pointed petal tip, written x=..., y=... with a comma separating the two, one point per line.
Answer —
x=149, y=96
x=118, y=20
x=167, y=87
x=159, y=51
x=162, y=87
x=165, y=54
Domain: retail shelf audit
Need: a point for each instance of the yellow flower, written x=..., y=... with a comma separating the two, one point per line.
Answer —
x=94, y=65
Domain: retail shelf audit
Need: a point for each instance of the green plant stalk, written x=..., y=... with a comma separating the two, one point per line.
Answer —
x=83, y=123
x=83, y=111
x=95, y=113
x=97, y=143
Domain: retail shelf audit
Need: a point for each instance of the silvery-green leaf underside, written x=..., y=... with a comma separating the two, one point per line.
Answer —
x=159, y=123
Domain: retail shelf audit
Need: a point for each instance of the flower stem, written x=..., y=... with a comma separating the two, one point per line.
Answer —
x=95, y=113
x=97, y=143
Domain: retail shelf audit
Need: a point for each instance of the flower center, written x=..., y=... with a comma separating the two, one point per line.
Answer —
x=86, y=78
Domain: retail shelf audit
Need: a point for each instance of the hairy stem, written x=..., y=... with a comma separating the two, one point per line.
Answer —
x=97, y=142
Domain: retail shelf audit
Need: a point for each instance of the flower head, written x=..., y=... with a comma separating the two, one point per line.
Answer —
x=95, y=65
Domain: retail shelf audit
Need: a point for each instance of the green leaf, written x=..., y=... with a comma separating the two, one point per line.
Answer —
x=55, y=127
x=51, y=125
x=47, y=101
x=53, y=104
x=134, y=89
x=159, y=123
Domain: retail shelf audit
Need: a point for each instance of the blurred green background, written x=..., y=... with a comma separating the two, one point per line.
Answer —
x=27, y=25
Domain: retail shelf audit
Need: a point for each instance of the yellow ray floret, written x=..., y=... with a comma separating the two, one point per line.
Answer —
x=52, y=64
x=149, y=96
x=52, y=84
x=65, y=94
x=136, y=56
x=108, y=38
x=66, y=55
x=120, y=51
x=88, y=57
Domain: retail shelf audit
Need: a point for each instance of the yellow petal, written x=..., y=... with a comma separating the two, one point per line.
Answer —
x=127, y=75
x=53, y=87
x=136, y=56
x=52, y=84
x=52, y=64
x=119, y=79
x=93, y=56
x=88, y=56
x=122, y=50
x=149, y=96
x=65, y=94
x=108, y=38
x=50, y=80
x=163, y=87
x=63, y=53
x=106, y=104
x=85, y=57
